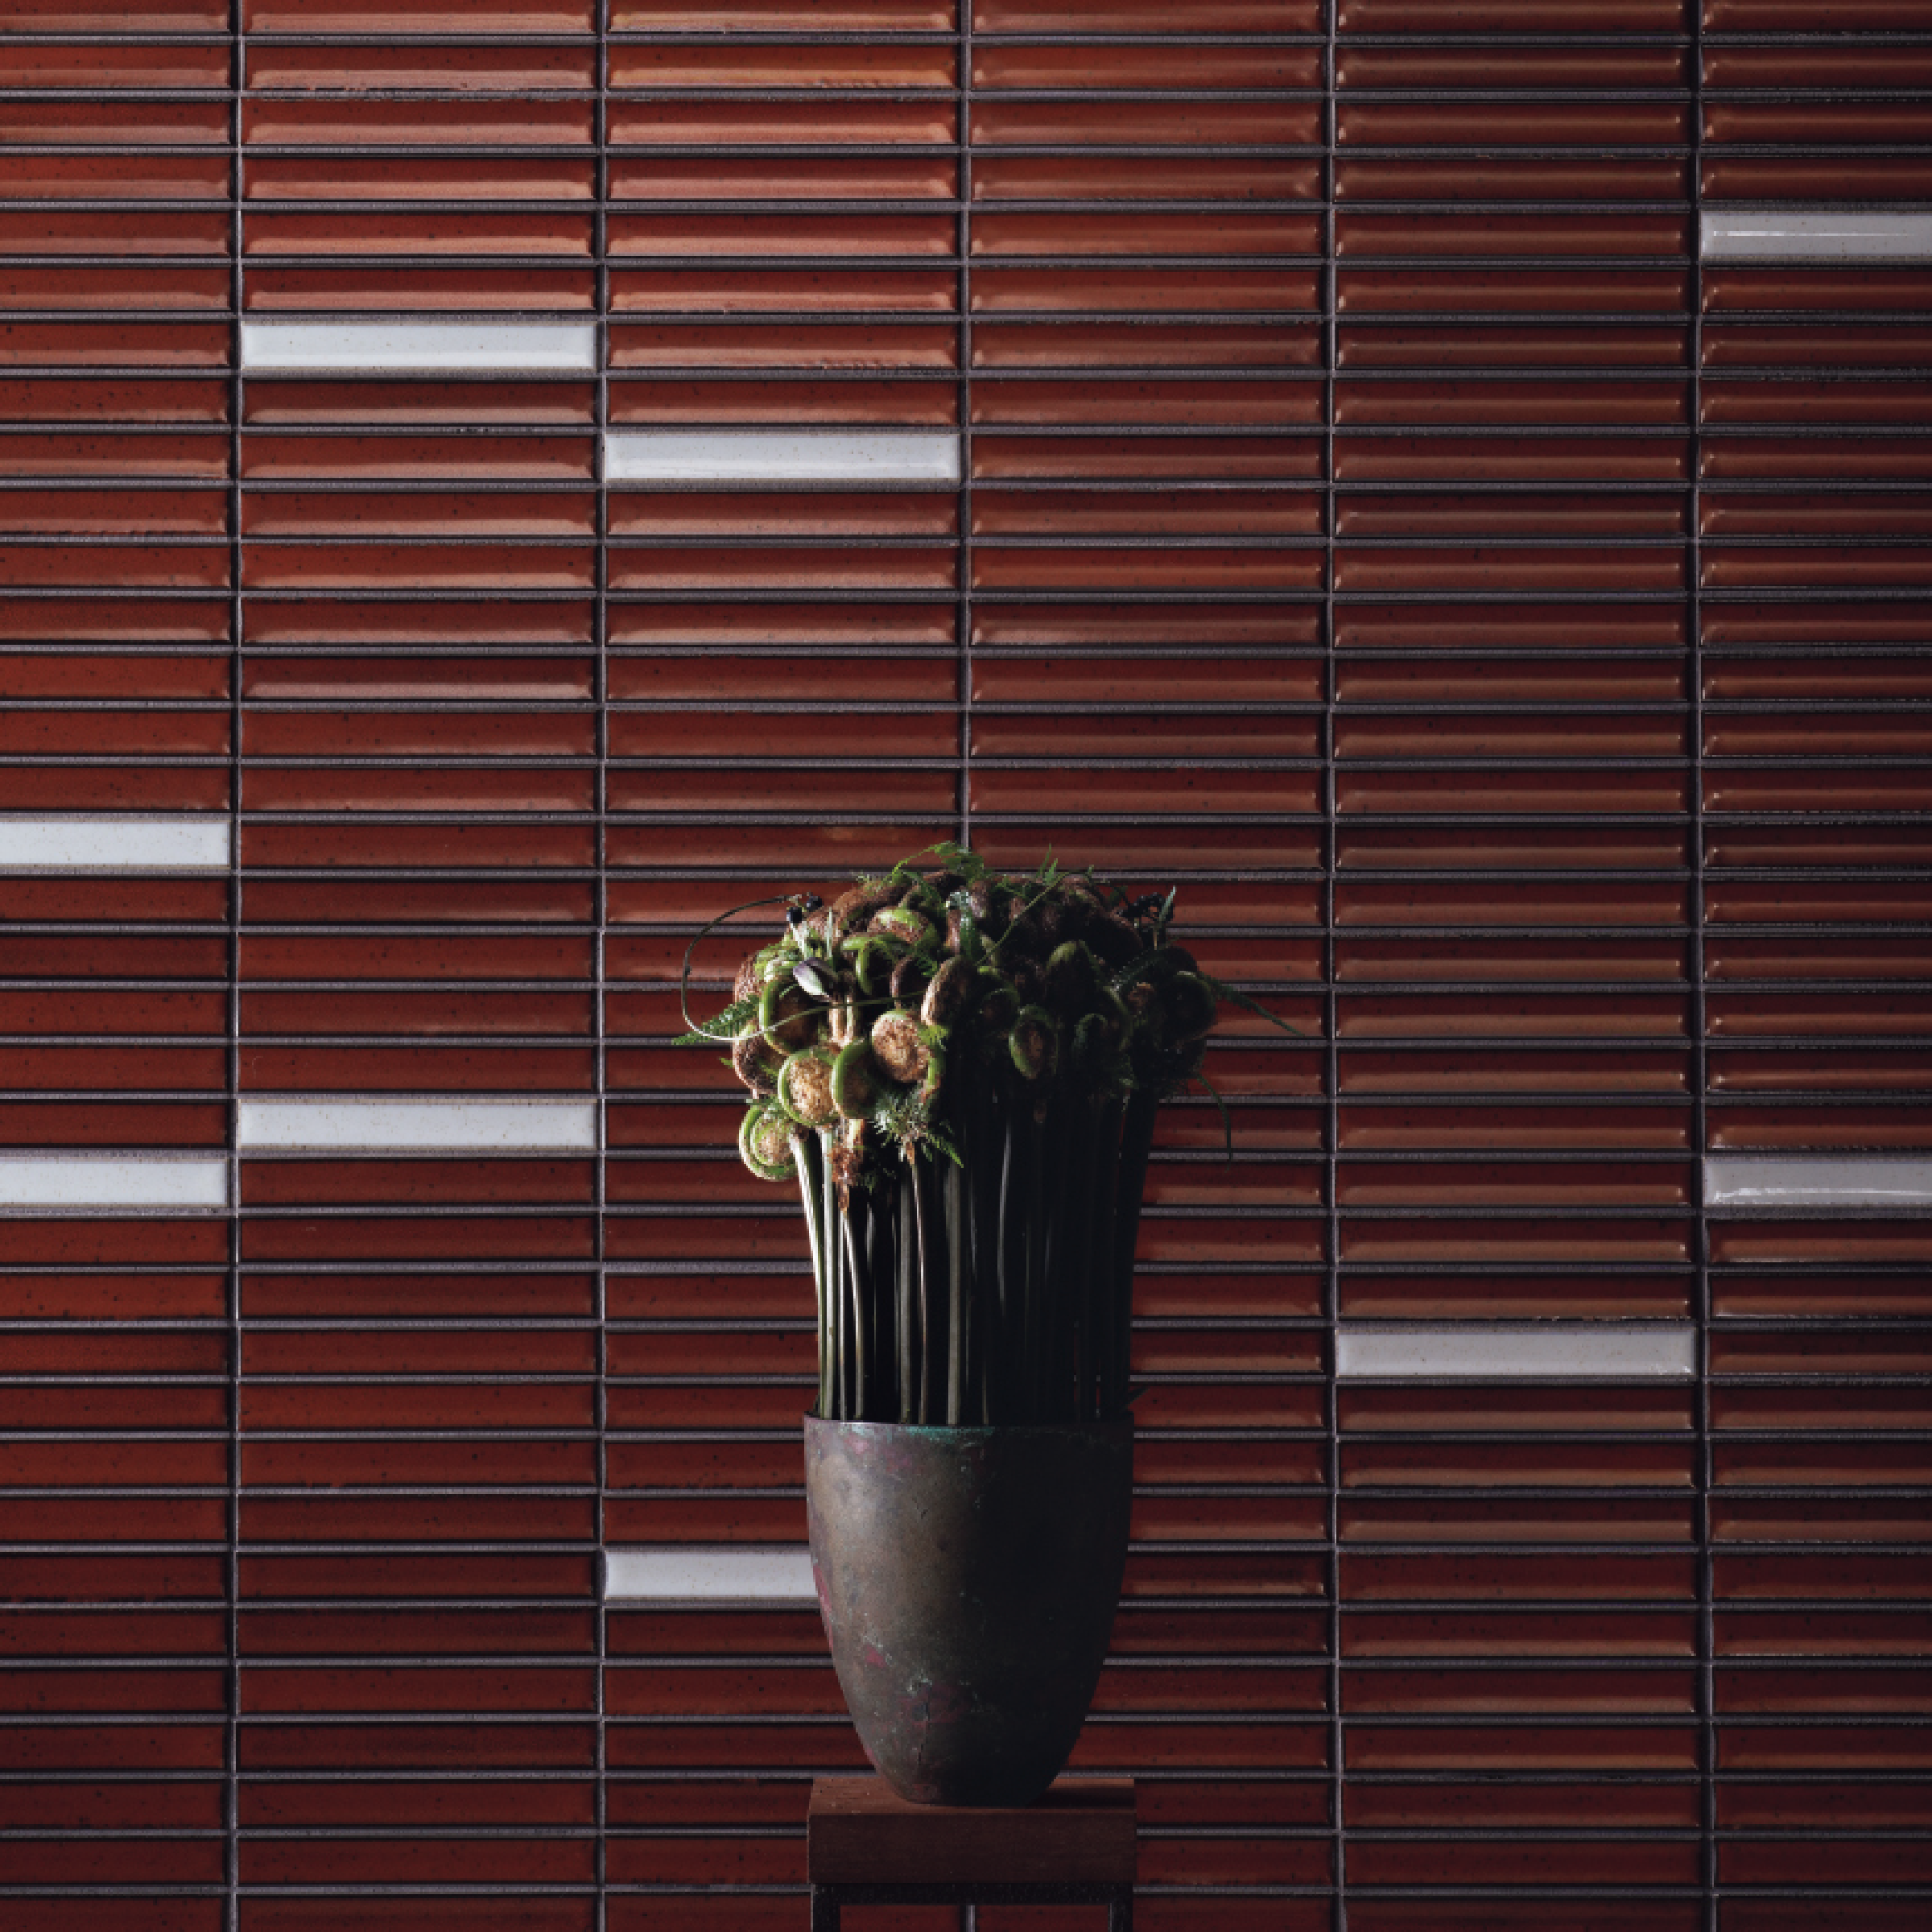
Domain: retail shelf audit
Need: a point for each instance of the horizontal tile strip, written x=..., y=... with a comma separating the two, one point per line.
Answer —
x=428, y=346
x=88, y=843
x=1514, y=1351
x=1788, y=234
x=1816, y=1180
x=376, y=1125
x=706, y=1573
x=113, y=1181
x=746, y=456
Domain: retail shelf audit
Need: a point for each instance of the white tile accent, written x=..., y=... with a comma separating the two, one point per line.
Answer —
x=781, y=455
x=493, y=1125
x=1515, y=1351
x=114, y=1180
x=711, y=1573
x=430, y=347
x=1787, y=234
x=90, y=842
x=1828, y=1180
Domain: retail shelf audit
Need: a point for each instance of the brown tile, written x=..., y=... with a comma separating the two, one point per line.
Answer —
x=1091, y=232
x=998, y=290
x=669, y=65
x=1487, y=181
x=1358, y=233
x=1159, y=123
x=1575, y=123
x=280, y=403
x=1253, y=68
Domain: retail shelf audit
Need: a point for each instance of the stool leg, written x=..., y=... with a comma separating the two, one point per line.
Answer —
x=1120, y=1910
x=824, y=1909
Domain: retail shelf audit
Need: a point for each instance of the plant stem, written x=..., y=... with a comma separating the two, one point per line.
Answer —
x=923, y=1245
x=859, y=1299
x=1136, y=1143
x=1010, y=1272
x=834, y=1285
x=1038, y=1209
x=808, y=1156
x=953, y=1200
x=1102, y=1305
x=1050, y=1213
x=908, y=1274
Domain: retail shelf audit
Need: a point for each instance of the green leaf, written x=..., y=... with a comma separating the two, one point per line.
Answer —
x=720, y=1026
x=1223, y=991
x=1227, y=1119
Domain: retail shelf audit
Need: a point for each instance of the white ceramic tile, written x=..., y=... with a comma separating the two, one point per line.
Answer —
x=1805, y=1180
x=492, y=1125
x=114, y=1180
x=1557, y=1351
x=427, y=346
x=777, y=456
x=1788, y=234
x=90, y=842
x=685, y=1573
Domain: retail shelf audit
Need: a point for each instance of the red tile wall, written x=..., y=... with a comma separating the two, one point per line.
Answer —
x=1509, y=632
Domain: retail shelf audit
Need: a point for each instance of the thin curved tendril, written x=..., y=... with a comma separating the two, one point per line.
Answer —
x=776, y=898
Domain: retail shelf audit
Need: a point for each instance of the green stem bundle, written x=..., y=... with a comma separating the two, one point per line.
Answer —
x=997, y=1289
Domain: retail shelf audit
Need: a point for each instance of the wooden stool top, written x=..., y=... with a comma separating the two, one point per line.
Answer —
x=859, y=1831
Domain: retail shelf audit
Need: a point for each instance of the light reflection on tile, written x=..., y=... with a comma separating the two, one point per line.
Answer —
x=1784, y=1180
x=88, y=842
x=114, y=1180
x=1789, y=234
x=777, y=456
x=422, y=1122
x=1514, y=1351
x=710, y=1573
x=426, y=347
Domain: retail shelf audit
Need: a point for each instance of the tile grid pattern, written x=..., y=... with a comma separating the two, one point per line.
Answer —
x=1378, y=1902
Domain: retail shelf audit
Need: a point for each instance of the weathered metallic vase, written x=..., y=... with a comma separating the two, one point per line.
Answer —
x=967, y=1579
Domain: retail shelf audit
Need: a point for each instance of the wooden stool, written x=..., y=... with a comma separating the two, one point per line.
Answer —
x=866, y=1846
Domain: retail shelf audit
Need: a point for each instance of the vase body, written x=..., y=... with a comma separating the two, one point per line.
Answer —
x=968, y=1579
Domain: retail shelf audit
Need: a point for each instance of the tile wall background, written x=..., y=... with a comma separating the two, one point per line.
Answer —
x=483, y=486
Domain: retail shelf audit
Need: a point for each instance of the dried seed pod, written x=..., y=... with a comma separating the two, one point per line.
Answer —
x=935, y=1076
x=898, y=1047
x=1023, y=939
x=764, y=1143
x=753, y=1062
x=856, y=1081
x=947, y=995
x=749, y=982
x=897, y=922
x=1189, y=1001
x=787, y=1016
x=999, y=1006
x=1093, y=1046
x=872, y=960
x=991, y=905
x=805, y=1089
x=1113, y=939
x=1071, y=981
x=1034, y=1044
x=1062, y=916
x=844, y=1022
x=909, y=977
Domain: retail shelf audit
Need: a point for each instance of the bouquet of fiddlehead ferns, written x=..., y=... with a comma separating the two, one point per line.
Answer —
x=960, y=1071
